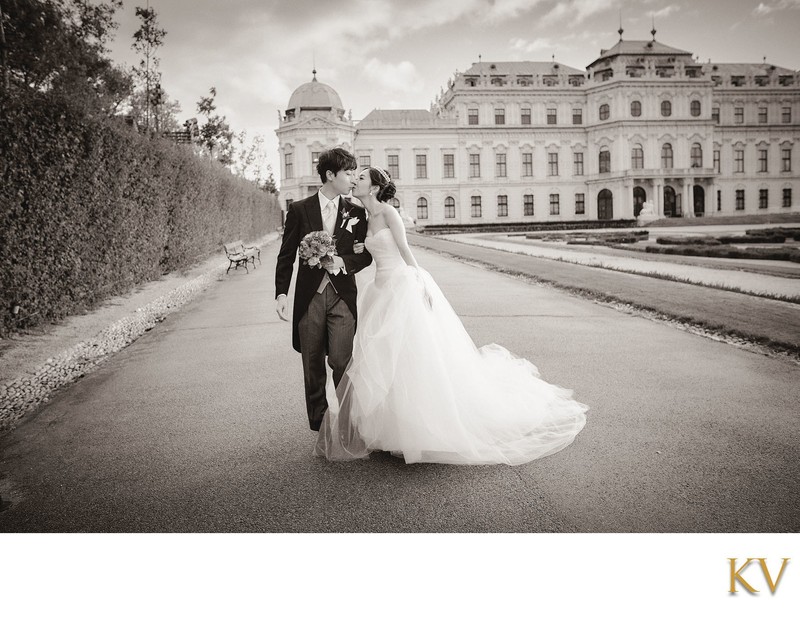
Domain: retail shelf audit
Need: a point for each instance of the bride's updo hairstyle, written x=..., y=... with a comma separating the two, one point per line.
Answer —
x=381, y=178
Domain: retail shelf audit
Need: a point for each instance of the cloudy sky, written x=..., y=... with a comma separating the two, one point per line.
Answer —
x=400, y=53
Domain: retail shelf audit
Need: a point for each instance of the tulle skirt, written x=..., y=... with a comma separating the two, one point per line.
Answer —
x=418, y=387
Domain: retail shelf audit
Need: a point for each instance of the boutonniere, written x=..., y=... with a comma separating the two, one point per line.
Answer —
x=348, y=221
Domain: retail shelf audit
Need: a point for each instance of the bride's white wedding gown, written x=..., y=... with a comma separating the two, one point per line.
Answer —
x=418, y=386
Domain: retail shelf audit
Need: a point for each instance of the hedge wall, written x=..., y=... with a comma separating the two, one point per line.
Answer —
x=89, y=209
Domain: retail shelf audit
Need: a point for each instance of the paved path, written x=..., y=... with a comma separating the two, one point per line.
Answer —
x=200, y=426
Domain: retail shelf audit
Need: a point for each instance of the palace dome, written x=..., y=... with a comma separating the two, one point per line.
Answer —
x=314, y=95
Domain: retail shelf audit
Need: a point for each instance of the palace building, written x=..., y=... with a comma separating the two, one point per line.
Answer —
x=526, y=141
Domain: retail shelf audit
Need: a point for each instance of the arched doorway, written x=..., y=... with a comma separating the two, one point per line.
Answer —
x=639, y=198
x=605, y=205
x=670, y=209
x=699, y=199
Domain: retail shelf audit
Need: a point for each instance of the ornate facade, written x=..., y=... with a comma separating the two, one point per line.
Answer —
x=541, y=141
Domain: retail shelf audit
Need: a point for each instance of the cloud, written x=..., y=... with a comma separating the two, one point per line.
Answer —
x=576, y=11
x=766, y=8
x=400, y=77
x=504, y=10
x=667, y=10
x=530, y=47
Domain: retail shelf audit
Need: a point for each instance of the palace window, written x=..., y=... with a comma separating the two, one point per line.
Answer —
x=763, y=198
x=552, y=116
x=555, y=207
x=787, y=197
x=762, y=160
x=605, y=160
x=636, y=108
x=786, y=114
x=476, y=206
x=762, y=114
x=449, y=207
x=474, y=165
x=499, y=116
x=738, y=160
x=364, y=161
x=580, y=204
x=314, y=161
x=500, y=164
x=577, y=160
x=666, y=156
x=422, y=166
x=786, y=160
x=715, y=115
x=716, y=161
x=288, y=165
x=552, y=164
x=605, y=112
x=696, y=156
x=472, y=116
x=527, y=164
x=637, y=157
x=526, y=116
x=577, y=116
x=422, y=209
x=738, y=115
x=394, y=166
x=502, y=206
x=740, y=200
x=666, y=108
x=694, y=108
x=449, y=166
x=527, y=204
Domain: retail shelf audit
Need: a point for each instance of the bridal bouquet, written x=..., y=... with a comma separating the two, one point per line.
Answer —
x=317, y=247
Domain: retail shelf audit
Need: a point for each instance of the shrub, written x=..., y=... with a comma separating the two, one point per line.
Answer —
x=747, y=239
x=724, y=251
x=692, y=240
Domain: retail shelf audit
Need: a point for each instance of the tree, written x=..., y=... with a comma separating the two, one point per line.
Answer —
x=146, y=40
x=163, y=110
x=216, y=137
x=60, y=46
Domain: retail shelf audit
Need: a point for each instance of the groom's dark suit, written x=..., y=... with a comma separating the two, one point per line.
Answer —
x=318, y=334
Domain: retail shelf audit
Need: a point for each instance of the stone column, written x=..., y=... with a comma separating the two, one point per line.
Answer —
x=658, y=197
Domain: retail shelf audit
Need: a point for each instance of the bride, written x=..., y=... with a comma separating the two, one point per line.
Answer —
x=417, y=386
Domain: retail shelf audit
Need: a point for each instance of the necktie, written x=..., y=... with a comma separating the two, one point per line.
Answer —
x=328, y=216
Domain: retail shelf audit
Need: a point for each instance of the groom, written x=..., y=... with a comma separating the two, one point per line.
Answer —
x=324, y=316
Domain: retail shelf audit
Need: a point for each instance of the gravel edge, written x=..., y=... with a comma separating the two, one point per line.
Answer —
x=22, y=395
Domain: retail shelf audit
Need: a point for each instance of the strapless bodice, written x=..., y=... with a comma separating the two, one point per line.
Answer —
x=385, y=253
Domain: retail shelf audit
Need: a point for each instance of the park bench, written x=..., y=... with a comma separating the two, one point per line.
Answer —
x=240, y=254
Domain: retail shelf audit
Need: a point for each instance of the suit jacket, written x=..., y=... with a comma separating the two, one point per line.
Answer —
x=303, y=217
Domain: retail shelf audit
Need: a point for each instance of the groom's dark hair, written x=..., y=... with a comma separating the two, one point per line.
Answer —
x=335, y=159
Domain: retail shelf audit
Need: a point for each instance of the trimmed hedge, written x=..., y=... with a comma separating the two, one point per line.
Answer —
x=689, y=240
x=90, y=209
x=726, y=251
x=780, y=231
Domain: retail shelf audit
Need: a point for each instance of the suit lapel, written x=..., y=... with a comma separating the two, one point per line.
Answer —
x=314, y=213
x=337, y=226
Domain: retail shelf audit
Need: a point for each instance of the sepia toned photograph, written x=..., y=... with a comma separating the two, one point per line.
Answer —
x=428, y=267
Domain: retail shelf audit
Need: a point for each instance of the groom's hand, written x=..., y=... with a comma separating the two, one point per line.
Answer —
x=335, y=265
x=282, y=307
